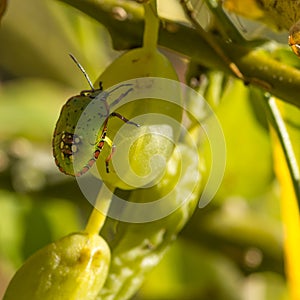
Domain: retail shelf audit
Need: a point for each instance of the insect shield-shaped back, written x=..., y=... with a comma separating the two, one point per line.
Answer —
x=65, y=141
x=80, y=133
x=92, y=128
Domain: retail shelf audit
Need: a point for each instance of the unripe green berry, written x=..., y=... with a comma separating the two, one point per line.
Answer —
x=72, y=268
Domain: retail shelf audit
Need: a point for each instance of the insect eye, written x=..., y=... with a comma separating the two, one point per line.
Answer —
x=85, y=93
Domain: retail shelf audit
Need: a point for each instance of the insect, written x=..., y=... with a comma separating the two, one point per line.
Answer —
x=294, y=38
x=279, y=14
x=80, y=132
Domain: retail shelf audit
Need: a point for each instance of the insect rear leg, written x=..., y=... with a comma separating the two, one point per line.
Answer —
x=112, y=151
x=91, y=162
x=97, y=152
x=104, y=139
x=109, y=157
x=109, y=141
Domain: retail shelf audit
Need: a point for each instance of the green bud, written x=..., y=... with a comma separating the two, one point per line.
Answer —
x=72, y=268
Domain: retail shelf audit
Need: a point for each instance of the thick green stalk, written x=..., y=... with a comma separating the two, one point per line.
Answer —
x=98, y=215
x=151, y=26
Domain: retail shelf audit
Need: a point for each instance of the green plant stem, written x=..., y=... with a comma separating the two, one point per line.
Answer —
x=283, y=135
x=151, y=26
x=98, y=215
x=286, y=146
x=224, y=24
x=279, y=79
x=211, y=41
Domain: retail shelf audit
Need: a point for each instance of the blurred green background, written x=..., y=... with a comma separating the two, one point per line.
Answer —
x=231, y=249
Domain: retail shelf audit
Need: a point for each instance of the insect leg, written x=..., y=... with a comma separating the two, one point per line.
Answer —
x=109, y=157
x=98, y=150
x=102, y=141
x=119, y=86
x=115, y=114
x=113, y=147
x=121, y=96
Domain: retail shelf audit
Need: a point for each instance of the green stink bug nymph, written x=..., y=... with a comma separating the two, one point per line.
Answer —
x=87, y=140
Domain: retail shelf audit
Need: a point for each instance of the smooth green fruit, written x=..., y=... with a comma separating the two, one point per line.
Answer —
x=134, y=64
x=73, y=268
x=137, y=63
x=138, y=247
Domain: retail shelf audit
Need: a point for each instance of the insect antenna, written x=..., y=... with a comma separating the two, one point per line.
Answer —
x=83, y=71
